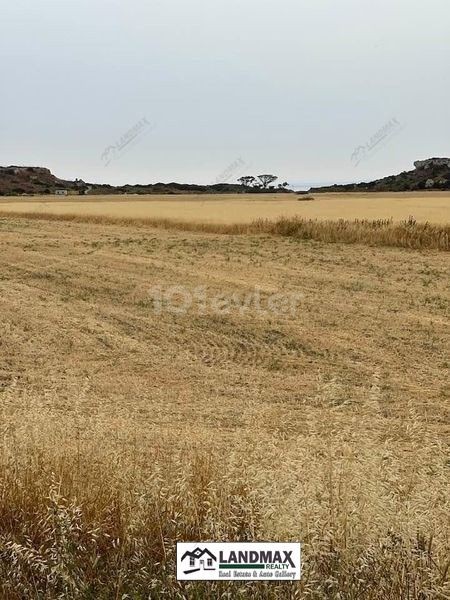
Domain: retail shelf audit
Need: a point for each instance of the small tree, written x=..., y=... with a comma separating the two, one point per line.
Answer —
x=247, y=180
x=266, y=180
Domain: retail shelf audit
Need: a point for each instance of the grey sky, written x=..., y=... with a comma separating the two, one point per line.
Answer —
x=287, y=86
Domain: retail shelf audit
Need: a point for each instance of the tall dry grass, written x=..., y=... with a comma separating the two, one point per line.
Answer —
x=381, y=232
x=91, y=504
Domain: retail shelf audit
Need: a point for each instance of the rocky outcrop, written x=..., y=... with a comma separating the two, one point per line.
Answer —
x=17, y=180
x=432, y=162
x=430, y=174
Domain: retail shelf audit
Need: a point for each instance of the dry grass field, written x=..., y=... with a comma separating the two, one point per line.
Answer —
x=126, y=426
x=433, y=207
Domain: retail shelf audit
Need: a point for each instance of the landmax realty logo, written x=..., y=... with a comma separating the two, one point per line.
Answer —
x=197, y=561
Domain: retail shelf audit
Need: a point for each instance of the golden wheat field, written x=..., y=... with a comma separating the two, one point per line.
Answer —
x=137, y=409
x=433, y=207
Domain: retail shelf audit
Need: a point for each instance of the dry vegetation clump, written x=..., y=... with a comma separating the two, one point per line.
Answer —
x=380, y=232
x=91, y=506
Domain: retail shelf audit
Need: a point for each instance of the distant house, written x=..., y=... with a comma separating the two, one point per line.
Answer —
x=61, y=192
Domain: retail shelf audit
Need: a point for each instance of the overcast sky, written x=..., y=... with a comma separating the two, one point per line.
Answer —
x=209, y=89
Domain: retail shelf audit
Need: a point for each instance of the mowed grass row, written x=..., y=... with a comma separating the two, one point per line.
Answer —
x=379, y=232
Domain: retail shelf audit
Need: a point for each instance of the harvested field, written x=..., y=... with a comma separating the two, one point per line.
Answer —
x=433, y=207
x=129, y=424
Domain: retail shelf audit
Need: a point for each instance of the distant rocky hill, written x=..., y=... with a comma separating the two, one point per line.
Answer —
x=429, y=174
x=18, y=181
x=32, y=180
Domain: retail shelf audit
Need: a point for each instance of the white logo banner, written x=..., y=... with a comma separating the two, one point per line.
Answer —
x=198, y=561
